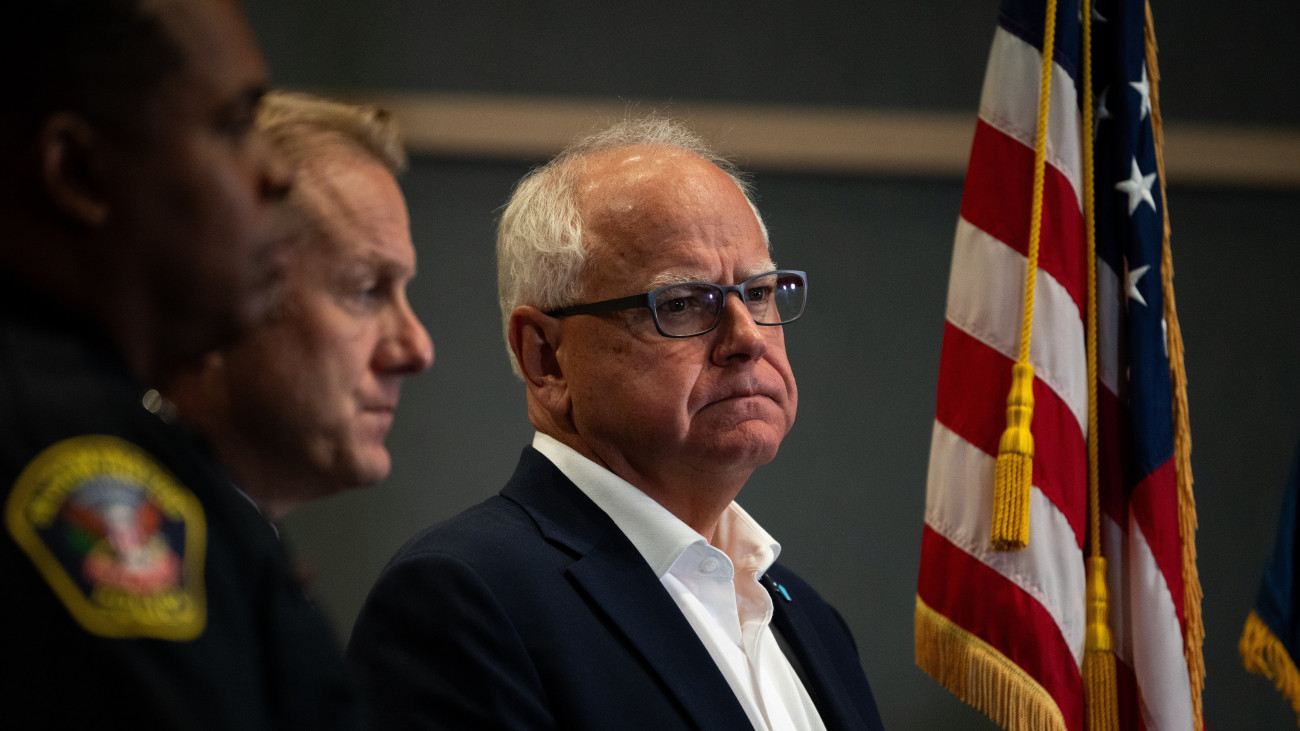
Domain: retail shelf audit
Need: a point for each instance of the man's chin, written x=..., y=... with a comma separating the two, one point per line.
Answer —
x=366, y=470
x=748, y=444
x=324, y=480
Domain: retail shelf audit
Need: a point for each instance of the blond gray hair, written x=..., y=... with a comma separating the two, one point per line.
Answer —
x=304, y=130
x=541, y=257
x=300, y=126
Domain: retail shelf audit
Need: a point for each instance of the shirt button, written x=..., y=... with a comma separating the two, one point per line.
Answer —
x=709, y=565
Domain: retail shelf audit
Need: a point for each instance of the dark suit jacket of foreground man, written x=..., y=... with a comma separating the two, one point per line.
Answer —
x=534, y=611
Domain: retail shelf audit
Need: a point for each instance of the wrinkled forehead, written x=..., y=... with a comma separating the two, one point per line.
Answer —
x=666, y=215
x=687, y=274
x=645, y=181
x=349, y=206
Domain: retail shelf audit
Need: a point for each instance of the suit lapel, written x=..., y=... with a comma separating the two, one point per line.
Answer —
x=652, y=622
x=820, y=677
x=619, y=583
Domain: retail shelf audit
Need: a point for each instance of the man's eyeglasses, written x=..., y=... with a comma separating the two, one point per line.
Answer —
x=694, y=308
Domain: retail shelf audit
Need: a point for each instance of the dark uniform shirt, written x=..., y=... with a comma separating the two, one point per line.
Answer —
x=139, y=588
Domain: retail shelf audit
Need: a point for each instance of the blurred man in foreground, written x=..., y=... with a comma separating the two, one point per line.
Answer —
x=301, y=407
x=614, y=583
x=140, y=590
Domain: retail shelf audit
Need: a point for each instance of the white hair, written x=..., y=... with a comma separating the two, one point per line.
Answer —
x=541, y=257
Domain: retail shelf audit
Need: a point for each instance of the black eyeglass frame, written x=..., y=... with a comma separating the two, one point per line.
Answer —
x=647, y=300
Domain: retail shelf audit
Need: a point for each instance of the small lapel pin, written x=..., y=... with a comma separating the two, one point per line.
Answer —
x=778, y=587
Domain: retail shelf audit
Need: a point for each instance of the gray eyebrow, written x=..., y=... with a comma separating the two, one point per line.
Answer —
x=668, y=279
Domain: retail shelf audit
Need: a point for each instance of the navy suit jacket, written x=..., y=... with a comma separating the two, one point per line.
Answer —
x=532, y=610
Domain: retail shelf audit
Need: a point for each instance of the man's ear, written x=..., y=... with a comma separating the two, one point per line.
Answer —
x=534, y=340
x=198, y=389
x=70, y=168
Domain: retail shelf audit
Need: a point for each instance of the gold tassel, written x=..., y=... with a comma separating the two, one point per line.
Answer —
x=1099, y=685
x=1015, y=466
x=1263, y=654
x=1014, y=470
x=1098, y=657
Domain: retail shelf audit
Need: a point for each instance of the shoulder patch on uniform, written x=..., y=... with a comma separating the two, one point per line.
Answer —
x=116, y=536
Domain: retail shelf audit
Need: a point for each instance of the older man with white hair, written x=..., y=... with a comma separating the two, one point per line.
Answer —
x=614, y=582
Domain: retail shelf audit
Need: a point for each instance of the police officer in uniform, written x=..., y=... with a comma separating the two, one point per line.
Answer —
x=140, y=589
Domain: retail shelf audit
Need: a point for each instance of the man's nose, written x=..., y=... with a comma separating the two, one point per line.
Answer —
x=408, y=349
x=739, y=336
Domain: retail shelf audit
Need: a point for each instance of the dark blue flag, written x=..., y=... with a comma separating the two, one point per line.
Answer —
x=1272, y=636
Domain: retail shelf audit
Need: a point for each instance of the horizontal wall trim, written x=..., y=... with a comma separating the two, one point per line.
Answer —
x=802, y=139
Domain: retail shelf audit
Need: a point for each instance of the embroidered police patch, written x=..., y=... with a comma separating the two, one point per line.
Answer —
x=117, y=538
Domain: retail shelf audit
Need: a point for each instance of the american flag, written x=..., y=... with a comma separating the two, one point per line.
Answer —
x=1005, y=631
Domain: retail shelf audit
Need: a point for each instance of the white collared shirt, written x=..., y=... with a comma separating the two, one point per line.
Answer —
x=715, y=586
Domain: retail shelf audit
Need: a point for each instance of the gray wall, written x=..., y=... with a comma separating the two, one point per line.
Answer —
x=846, y=495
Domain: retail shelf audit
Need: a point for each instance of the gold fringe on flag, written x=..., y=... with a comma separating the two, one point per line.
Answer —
x=1194, y=634
x=1263, y=654
x=1014, y=470
x=1099, y=685
x=981, y=676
